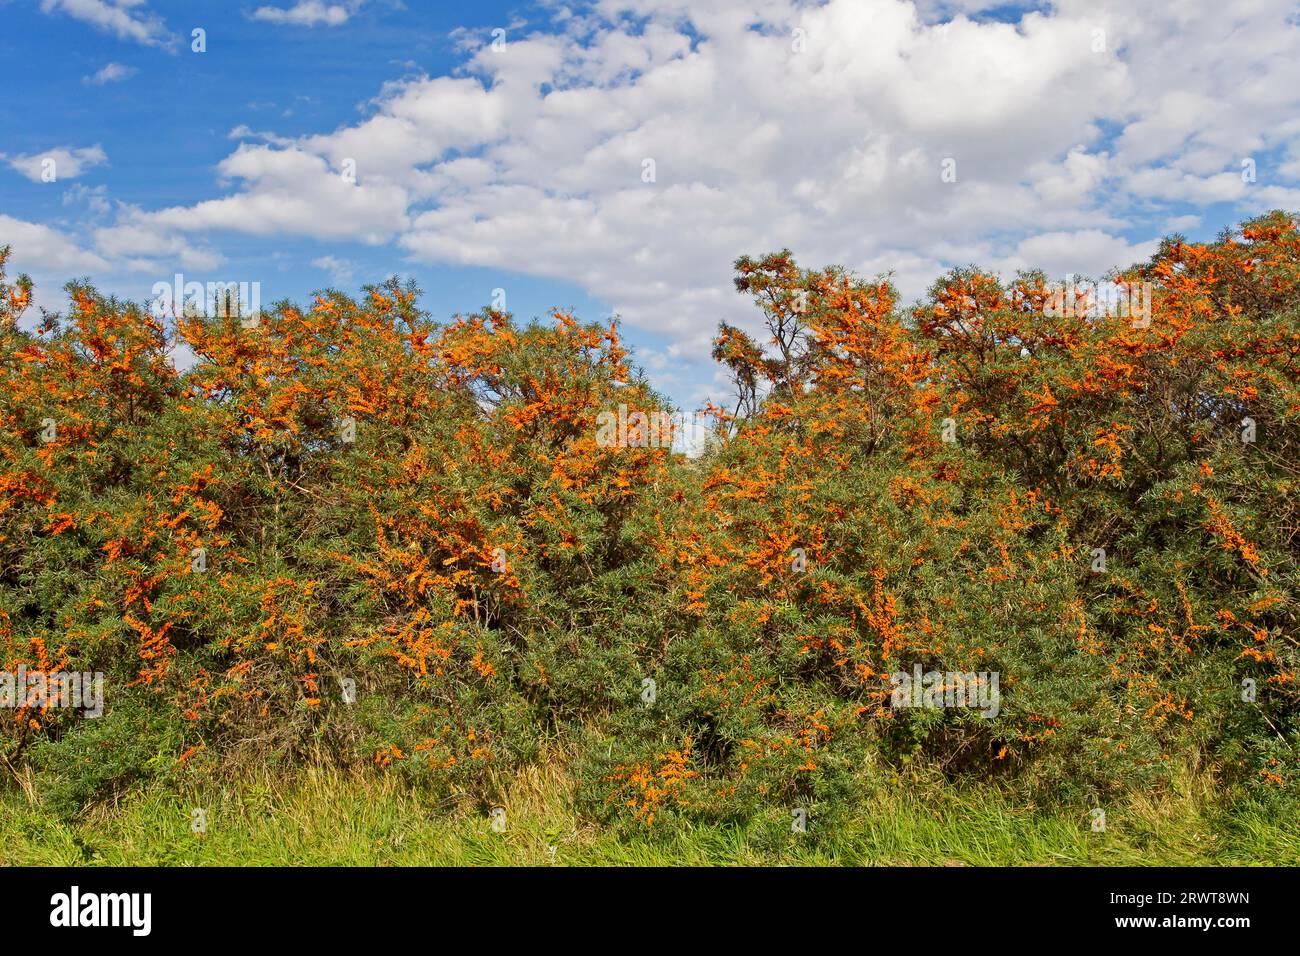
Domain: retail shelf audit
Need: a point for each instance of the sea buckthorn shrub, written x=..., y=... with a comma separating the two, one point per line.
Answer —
x=1172, y=444
x=342, y=532
x=1112, y=528
x=346, y=532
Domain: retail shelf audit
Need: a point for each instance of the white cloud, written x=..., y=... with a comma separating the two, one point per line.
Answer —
x=95, y=199
x=1181, y=224
x=1070, y=155
x=340, y=270
x=308, y=13
x=143, y=243
x=40, y=249
x=125, y=19
x=291, y=191
x=1083, y=252
x=111, y=73
x=62, y=162
x=143, y=248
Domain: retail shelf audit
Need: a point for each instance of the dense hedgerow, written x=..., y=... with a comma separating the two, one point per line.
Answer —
x=348, y=533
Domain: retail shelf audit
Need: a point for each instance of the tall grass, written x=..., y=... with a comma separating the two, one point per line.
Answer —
x=332, y=817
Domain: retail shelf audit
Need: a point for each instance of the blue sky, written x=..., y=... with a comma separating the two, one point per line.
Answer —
x=166, y=126
x=1080, y=133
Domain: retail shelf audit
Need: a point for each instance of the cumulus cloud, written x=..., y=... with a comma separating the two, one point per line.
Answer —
x=62, y=162
x=39, y=248
x=637, y=147
x=125, y=19
x=111, y=73
x=308, y=13
x=142, y=246
x=340, y=270
x=1079, y=252
x=95, y=199
x=293, y=192
x=143, y=241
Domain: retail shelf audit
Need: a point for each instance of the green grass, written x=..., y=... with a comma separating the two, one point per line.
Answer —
x=328, y=817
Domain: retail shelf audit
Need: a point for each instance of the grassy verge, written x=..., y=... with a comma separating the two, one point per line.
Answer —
x=329, y=817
